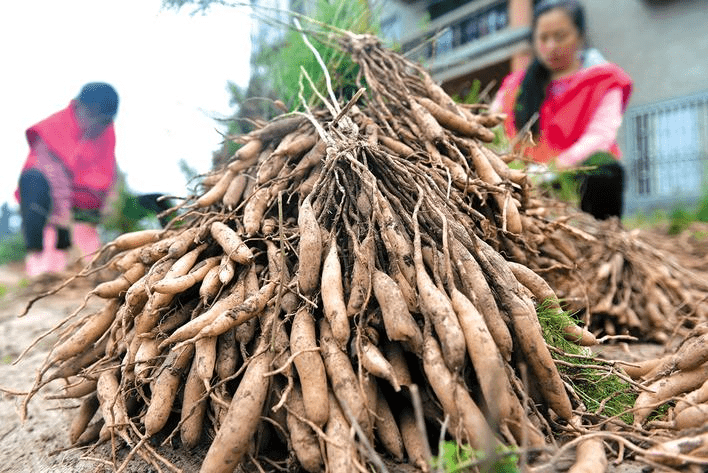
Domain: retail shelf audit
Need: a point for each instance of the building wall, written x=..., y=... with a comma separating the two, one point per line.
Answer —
x=662, y=44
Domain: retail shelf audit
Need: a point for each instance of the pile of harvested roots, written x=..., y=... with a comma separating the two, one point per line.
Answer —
x=618, y=282
x=357, y=281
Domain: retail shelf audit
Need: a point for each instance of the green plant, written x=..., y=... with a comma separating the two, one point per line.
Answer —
x=601, y=392
x=702, y=212
x=564, y=186
x=646, y=219
x=472, y=95
x=679, y=220
x=699, y=235
x=454, y=458
x=288, y=59
x=660, y=413
x=12, y=249
x=676, y=220
x=127, y=215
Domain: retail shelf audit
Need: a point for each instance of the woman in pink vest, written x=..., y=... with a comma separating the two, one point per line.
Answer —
x=67, y=177
x=579, y=99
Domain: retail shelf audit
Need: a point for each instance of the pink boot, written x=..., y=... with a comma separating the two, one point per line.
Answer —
x=85, y=237
x=34, y=264
x=54, y=260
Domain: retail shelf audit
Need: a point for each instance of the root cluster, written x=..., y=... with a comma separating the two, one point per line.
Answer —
x=357, y=281
x=620, y=282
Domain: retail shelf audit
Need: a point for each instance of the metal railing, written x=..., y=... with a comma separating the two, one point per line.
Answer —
x=467, y=24
x=666, y=153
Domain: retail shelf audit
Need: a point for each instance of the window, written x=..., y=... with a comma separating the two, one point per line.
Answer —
x=480, y=24
x=667, y=156
x=391, y=28
x=445, y=41
x=677, y=151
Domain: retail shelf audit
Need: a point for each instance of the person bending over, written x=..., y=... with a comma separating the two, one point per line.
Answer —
x=66, y=180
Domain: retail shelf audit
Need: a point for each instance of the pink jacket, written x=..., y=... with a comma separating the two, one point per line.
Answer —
x=580, y=115
x=90, y=164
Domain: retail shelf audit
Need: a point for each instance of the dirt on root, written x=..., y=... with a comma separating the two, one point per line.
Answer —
x=40, y=442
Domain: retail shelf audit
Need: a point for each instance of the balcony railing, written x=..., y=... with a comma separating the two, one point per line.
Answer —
x=459, y=28
x=472, y=37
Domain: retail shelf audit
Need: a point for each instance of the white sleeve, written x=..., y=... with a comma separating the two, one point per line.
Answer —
x=496, y=105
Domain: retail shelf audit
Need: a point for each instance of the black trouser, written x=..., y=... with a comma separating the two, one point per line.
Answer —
x=601, y=191
x=35, y=207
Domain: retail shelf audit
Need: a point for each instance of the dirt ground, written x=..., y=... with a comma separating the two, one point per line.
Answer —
x=39, y=444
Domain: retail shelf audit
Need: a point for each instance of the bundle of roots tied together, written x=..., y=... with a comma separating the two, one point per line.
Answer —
x=355, y=276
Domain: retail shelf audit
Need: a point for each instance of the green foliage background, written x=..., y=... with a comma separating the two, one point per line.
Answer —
x=12, y=249
x=287, y=61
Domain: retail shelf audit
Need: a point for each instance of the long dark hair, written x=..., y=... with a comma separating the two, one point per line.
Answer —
x=533, y=87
